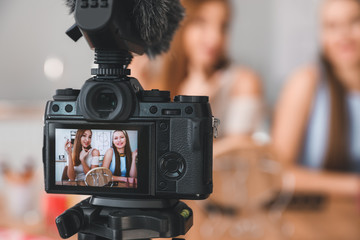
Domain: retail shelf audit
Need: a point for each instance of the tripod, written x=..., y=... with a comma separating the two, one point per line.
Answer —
x=99, y=218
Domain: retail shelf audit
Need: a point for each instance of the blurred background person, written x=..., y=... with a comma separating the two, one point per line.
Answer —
x=147, y=71
x=197, y=64
x=316, y=128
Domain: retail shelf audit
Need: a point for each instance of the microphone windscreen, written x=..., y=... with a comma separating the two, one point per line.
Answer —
x=71, y=5
x=157, y=21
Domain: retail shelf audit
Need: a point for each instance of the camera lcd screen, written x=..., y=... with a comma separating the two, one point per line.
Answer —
x=96, y=158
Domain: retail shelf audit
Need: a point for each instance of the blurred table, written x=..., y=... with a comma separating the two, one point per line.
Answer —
x=243, y=183
x=339, y=219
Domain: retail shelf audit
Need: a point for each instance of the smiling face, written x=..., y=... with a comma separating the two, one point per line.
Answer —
x=85, y=139
x=340, y=33
x=119, y=139
x=205, y=35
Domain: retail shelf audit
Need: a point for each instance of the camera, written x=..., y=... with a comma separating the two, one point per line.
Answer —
x=168, y=142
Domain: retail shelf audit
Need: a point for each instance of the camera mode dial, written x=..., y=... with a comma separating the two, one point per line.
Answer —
x=191, y=99
x=155, y=95
x=67, y=94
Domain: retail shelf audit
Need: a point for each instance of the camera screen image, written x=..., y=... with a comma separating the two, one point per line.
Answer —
x=96, y=158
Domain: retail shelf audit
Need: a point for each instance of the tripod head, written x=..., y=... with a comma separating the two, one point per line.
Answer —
x=137, y=219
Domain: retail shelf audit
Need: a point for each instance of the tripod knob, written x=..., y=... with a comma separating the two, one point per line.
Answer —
x=69, y=223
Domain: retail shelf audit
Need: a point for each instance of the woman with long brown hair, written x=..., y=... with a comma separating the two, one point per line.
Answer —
x=317, y=122
x=83, y=157
x=197, y=64
x=120, y=159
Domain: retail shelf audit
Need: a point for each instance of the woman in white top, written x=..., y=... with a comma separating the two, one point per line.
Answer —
x=83, y=157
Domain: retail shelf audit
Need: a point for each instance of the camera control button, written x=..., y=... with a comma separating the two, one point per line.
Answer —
x=162, y=185
x=172, y=165
x=163, y=126
x=164, y=146
x=189, y=110
x=69, y=108
x=153, y=109
x=55, y=108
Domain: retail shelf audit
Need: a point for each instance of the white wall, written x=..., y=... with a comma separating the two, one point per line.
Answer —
x=274, y=37
x=21, y=145
x=271, y=36
x=21, y=141
x=31, y=32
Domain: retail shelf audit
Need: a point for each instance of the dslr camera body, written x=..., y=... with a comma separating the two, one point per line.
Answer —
x=173, y=139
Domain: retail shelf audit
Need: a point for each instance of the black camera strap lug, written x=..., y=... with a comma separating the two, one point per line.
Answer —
x=215, y=125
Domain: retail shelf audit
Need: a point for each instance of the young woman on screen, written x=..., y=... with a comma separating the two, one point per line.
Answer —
x=82, y=158
x=119, y=159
